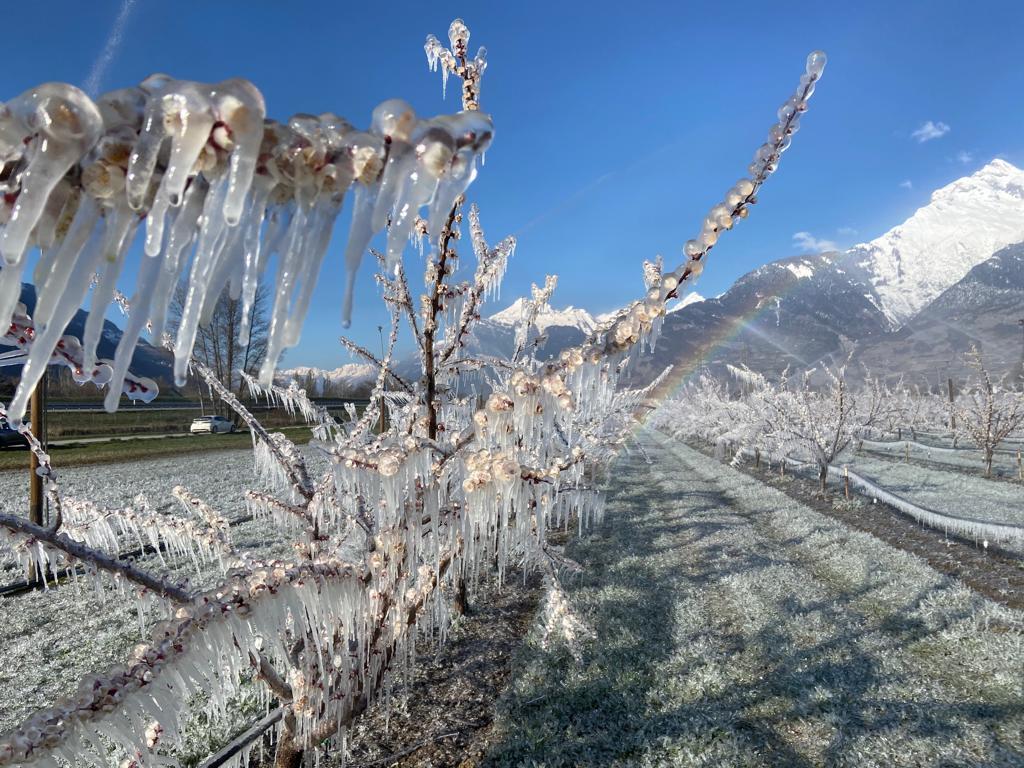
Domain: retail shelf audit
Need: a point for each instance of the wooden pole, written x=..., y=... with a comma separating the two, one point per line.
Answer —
x=37, y=415
x=952, y=414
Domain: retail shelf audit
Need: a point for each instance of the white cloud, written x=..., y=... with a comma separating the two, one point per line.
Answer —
x=965, y=157
x=808, y=243
x=847, y=231
x=930, y=130
x=907, y=184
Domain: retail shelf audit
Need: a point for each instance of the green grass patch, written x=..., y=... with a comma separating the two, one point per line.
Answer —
x=115, y=450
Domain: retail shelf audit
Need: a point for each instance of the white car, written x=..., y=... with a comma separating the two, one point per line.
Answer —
x=211, y=425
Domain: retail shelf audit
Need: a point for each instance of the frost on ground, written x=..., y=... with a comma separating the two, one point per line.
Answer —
x=52, y=639
x=1004, y=462
x=951, y=492
x=736, y=627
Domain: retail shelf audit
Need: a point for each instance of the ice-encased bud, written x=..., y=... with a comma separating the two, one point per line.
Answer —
x=458, y=36
x=806, y=89
x=744, y=187
x=393, y=119
x=122, y=108
x=480, y=60
x=432, y=47
x=816, y=63
x=54, y=124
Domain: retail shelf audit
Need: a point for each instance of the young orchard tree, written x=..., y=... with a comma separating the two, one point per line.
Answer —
x=820, y=422
x=795, y=418
x=383, y=540
x=987, y=412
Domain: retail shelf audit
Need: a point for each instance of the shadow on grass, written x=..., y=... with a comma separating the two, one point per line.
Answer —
x=642, y=695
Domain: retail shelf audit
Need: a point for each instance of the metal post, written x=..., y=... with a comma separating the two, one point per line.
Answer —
x=35, y=482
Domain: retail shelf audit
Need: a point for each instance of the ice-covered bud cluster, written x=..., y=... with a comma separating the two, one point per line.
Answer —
x=723, y=215
x=486, y=466
x=43, y=133
x=456, y=61
x=499, y=402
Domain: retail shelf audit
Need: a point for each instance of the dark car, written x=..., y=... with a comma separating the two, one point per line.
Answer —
x=11, y=438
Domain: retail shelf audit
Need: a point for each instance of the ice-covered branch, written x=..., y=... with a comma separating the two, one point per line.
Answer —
x=46, y=548
x=277, y=458
x=199, y=164
x=638, y=320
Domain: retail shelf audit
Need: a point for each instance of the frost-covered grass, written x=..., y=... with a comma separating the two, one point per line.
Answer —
x=52, y=639
x=1004, y=463
x=737, y=627
x=955, y=493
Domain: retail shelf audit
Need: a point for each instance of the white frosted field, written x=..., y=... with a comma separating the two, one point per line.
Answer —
x=737, y=627
x=734, y=626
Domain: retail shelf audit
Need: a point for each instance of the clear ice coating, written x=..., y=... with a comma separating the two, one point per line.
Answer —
x=214, y=190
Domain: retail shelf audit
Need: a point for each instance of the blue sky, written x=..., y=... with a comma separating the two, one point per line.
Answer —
x=616, y=129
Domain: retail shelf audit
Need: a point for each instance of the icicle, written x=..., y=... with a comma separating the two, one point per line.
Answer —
x=255, y=259
x=360, y=234
x=182, y=233
x=141, y=301
x=241, y=107
x=121, y=225
x=203, y=262
x=48, y=338
x=51, y=282
x=60, y=124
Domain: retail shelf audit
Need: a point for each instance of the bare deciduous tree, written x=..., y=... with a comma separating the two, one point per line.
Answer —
x=987, y=412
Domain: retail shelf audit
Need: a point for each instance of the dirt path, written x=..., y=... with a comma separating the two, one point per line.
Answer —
x=739, y=628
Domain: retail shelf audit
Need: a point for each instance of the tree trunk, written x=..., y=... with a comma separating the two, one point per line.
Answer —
x=461, y=602
x=822, y=477
x=289, y=754
x=988, y=462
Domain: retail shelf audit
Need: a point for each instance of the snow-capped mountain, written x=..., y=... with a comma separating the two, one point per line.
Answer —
x=983, y=309
x=570, y=317
x=347, y=380
x=963, y=225
x=691, y=298
x=922, y=291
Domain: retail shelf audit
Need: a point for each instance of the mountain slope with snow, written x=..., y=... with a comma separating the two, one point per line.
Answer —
x=570, y=317
x=892, y=300
x=344, y=381
x=963, y=225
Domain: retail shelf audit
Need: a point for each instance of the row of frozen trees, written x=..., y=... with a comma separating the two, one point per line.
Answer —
x=480, y=459
x=818, y=415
